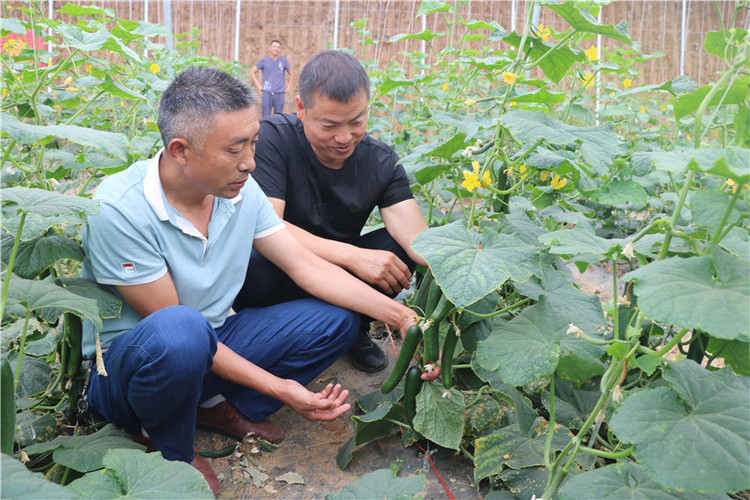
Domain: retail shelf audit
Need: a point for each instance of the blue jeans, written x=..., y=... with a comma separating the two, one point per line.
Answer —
x=160, y=370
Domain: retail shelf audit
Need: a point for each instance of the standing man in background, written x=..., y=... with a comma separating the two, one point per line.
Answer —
x=276, y=82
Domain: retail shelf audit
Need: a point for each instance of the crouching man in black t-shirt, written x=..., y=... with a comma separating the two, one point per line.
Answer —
x=324, y=176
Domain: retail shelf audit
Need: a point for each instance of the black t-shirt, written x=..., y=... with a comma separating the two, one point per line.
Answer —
x=330, y=203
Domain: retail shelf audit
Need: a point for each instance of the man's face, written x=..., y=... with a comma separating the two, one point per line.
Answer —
x=222, y=164
x=275, y=49
x=334, y=128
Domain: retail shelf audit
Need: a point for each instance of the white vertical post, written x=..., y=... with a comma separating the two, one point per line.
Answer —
x=683, y=37
x=145, y=10
x=336, y=26
x=513, y=15
x=168, y=22
x=598, y=75
x=422, y=43
x=50, y=13
x=237, y=32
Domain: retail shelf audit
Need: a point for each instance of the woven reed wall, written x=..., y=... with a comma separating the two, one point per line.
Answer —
x=307, y=26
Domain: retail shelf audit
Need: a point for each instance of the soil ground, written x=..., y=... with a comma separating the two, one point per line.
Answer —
x=309, y=448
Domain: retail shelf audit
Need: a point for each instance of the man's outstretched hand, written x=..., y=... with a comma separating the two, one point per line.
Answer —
x=382, y=269
x=328, y=404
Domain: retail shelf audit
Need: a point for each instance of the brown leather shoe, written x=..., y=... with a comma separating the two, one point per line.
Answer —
x=209, y=475
x=227, y=419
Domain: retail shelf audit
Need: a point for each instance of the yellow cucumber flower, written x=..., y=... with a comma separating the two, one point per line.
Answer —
x=558, y=182
x=509, y=78
x=154, y=68
x=471, y=179
x=627, y=83
x=592, y=54
x=544, y=32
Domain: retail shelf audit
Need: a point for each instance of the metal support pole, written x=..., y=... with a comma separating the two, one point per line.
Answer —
x=336, y=27
x=168, y=22
x=683, y=37
x=237, y=32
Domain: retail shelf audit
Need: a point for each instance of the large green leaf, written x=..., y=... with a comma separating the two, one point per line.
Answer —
x=382, y=483
x=621, y=193
x=20, y=483
x=730, y=162
x=80, y=39
x=709, y=292
x=85, y=453
x=136, y=474
x=369, y=427
x=736, y=93
x=32, y=427
x=583, y=22
x=572, y=406
x=35, y=294
x=598, y=144
x=34, y=256
x=574, y=306
x=509, y=447
x=554, y=66
x=693, y=435
x=529, y=346
x=624, y=481
x=113, y=143
x=526, y=416
x=469, y=265
x=725, y=43
x=110, y=306
x=440, y=415
x=44, y=208
x=580, y=239
x=709, y=206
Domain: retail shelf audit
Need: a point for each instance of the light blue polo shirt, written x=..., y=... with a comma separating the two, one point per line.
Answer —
x=138, y=237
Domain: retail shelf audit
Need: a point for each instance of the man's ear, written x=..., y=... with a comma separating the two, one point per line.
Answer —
x=300, y=108
x=178, y=149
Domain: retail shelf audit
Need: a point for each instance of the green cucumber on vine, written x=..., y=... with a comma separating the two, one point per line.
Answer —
x=432, y=341
x=73, y=334
x=7, y=407
x=446, y=367
x=442, y=307
x=408, y=348
x=419, y=301
x=412, y=387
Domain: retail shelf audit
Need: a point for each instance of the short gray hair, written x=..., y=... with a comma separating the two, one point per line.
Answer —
x=334, y=74
x=188, y=106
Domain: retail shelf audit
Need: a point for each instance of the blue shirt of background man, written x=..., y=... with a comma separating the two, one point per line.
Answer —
x=138, y=237
x=274, y=79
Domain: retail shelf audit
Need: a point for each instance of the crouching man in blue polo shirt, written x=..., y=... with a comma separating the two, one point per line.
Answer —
x=173, y=239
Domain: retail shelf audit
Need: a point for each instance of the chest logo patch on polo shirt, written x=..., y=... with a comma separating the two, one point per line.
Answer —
x=128, y=268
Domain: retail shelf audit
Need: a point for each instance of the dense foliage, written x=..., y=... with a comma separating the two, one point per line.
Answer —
x=535, y=154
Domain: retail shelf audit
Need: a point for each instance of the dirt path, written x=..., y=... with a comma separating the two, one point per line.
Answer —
x=309, y=450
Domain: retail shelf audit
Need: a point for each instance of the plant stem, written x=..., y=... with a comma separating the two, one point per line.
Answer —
x=616, y=296
x=607, y=454
x=9, y=266
x=551, y=423
x=21, y=348
x=501, y=311
x=717, y=235
x=676, y=214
